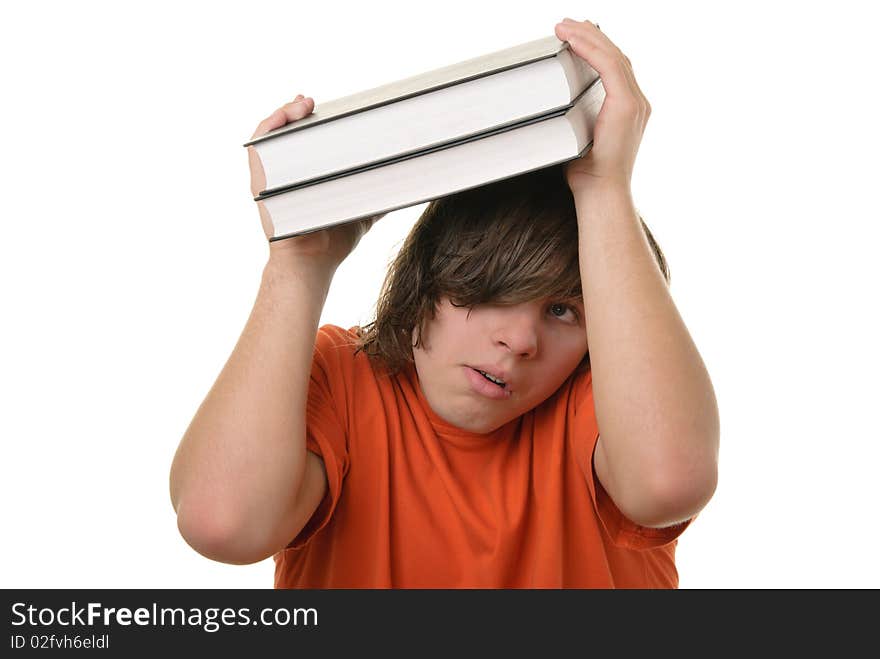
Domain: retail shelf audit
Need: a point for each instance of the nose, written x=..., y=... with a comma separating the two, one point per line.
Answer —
x=517, y=331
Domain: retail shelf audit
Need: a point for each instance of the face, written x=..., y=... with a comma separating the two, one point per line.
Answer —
x=532, y=346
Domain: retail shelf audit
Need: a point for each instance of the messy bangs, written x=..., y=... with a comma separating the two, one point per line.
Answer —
x=507, y=242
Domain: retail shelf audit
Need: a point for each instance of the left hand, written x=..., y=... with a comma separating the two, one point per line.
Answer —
x=622, y=119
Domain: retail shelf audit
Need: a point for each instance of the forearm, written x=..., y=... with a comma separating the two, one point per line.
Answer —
x=242, y=457
x=654, y=400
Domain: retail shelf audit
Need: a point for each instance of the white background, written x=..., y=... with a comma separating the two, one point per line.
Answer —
x=131, y=254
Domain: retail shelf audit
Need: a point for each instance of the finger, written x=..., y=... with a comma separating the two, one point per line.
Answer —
x=586, y=30
x=568, y=22
x=615, y=69
x=286, y=114
x=628, y=72
x=634, y=86
x=296, y=109
x=599, y=55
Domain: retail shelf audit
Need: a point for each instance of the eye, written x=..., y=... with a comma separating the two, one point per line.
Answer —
x=558, y=309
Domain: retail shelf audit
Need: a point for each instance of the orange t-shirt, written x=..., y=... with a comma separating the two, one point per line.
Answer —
x=414, y=502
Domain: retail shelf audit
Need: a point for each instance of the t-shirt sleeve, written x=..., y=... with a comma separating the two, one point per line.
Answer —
x=326, y=421
x=622, y=531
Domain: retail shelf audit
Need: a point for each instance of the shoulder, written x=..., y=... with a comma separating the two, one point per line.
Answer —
x=335, y=345
x=334, y=337
x=339, y=356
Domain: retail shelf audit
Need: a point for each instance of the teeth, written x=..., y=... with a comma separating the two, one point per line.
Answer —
x=492, y=378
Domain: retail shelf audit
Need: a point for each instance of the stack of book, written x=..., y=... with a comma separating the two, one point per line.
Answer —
x=434, y=134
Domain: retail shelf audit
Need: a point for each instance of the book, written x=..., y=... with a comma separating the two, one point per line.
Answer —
x=377, y=189
x=419, y=113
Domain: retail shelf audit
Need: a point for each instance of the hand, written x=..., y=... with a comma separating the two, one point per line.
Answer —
x=622, y=119
x=330, y=246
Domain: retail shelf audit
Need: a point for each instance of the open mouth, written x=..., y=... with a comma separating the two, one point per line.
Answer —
x=492, y=379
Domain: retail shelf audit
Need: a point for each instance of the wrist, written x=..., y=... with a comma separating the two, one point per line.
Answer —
x=287, y=263
x=593, y=186
x=310, y=250
x=602, y=194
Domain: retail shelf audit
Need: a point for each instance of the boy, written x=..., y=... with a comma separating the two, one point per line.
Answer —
x=455, y=441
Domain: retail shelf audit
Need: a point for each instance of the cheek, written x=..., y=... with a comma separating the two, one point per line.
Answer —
x=571, y=354
x=570, y=342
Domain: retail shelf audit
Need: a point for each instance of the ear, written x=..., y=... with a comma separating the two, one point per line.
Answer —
x=417, y=338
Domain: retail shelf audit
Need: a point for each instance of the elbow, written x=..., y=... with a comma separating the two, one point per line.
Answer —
x=674, y=497
x=217, y=535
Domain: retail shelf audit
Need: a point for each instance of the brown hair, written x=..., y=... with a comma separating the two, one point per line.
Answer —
x=507, y=242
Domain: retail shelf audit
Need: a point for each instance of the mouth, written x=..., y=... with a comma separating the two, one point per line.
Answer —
x=491, y=378
x=488, y=384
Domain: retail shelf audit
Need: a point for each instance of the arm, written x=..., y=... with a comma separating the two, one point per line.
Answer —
x=655, y=405
x=242, y=482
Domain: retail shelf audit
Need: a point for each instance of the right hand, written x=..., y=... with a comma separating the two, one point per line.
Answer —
x=330, y=245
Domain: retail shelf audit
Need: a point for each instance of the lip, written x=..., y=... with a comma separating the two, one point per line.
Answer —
x=482, y=386
x=495, y=372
